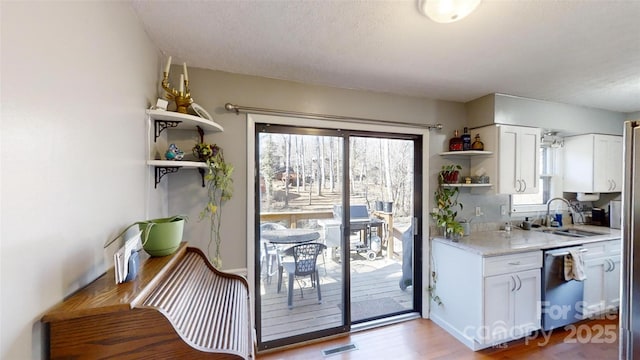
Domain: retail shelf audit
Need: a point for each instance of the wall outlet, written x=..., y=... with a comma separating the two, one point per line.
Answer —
x=479, y=211
x=503, y=210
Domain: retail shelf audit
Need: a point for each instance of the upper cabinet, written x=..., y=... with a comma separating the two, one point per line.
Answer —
x=516, y=164
x=593, y=163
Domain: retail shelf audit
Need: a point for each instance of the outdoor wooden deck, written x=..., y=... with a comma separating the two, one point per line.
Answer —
x=375, y=291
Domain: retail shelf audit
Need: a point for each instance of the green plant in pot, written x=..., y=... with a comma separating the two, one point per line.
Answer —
x=219, y=185
x=446, y=201
x=160, y=237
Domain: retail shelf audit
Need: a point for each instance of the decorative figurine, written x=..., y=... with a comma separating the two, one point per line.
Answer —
x=182, y=95
x=173, y=153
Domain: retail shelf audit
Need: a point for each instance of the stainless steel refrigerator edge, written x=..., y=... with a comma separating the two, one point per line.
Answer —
x=630, y=299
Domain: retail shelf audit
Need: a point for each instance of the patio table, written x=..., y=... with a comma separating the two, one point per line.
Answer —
x=290, y=236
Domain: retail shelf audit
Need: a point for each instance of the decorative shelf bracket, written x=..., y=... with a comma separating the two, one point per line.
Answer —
x=160, y=125
x=201, y=171
x=164, y=170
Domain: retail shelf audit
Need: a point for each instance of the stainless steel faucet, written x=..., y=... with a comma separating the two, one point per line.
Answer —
x=547, y=218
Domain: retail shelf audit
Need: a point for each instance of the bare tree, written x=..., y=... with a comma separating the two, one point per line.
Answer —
x=332, y=184
x=320, y=166
x=267, y=168
x=387, y=170
x=287, y=166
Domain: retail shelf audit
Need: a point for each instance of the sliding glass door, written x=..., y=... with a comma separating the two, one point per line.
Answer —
x=335, y=219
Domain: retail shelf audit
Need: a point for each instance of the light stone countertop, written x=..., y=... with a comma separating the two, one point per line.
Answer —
x=494, y=243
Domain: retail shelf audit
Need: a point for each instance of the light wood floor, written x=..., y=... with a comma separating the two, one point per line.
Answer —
x=370, y=280
x=422, y=339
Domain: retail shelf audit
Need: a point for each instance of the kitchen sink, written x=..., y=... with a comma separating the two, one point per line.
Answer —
x=572, y=232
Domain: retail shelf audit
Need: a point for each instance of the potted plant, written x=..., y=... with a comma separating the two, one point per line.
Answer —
x=219, y=186
x=446, y=201
x=160, y=237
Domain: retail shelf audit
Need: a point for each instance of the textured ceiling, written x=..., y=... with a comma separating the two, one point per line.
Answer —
x=577, y=52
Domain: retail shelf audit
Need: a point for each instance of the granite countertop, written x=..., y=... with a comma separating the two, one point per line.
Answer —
x=493, y=243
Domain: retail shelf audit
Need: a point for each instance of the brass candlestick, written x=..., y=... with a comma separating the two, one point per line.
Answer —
x=182, y=98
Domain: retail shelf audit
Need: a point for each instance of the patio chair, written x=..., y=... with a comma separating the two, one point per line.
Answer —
x=304, y=263
x=269, y=252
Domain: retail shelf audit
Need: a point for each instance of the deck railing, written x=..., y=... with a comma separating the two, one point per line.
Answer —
x=291, y=218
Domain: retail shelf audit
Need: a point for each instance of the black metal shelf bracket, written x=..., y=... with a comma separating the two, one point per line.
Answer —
x=160, y=125
x=201, y=171
x=164, y=170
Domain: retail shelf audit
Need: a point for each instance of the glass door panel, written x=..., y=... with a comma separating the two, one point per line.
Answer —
x=380, y=238
x=301, y=283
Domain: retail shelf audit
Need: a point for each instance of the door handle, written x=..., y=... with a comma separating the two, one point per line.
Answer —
x=525, y=186
x=518, y=185
x=513, y=288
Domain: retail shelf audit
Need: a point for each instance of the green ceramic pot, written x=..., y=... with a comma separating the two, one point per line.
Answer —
x=162, y=237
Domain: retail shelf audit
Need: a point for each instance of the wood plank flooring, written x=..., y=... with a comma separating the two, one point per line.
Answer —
x=370, y=280
x=423, y=339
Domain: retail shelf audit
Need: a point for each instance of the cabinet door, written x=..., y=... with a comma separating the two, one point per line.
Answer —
x=528, y=153
x=519, y=160
x=527, y=302
x=593, y=163
x=508, y=181
x=498, y=307
x=594, y=286
x=612, y=285
x=615, y=163
x=601, y=175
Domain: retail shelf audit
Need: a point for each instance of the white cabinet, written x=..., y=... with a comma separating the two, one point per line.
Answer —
x=602, y=285
x=158, y=122
x=593, y=163
x=519, y=159
x=486, y=300
x=516, y=164
x=512, y=297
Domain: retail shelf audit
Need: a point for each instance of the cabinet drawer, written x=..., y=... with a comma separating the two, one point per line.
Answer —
x=595, y=250
x=602, y=249
x=614, y=247
x=505, y=264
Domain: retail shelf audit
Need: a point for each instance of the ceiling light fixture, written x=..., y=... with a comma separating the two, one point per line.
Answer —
x=446, y=11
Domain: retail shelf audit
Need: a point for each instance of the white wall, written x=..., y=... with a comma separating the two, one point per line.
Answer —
x=76, y=79
x=212, y=89
x=634, y=116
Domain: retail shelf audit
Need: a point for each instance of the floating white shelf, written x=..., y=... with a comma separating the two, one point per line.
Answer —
x=177, y=163
x=186, y=121
x=466, y=153
x=466, y=185
x=164, y=167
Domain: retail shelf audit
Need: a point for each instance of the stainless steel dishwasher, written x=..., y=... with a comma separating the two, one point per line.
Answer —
x=562, y=300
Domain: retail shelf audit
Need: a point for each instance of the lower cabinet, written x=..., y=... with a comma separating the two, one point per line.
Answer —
x=511, y=305
x=602, y=285
x=484, y=301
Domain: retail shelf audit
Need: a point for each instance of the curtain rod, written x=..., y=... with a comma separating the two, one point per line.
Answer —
x=247, y=109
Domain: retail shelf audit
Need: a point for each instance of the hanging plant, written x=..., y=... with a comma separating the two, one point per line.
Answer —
x=446, y=201
x=219, y=185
